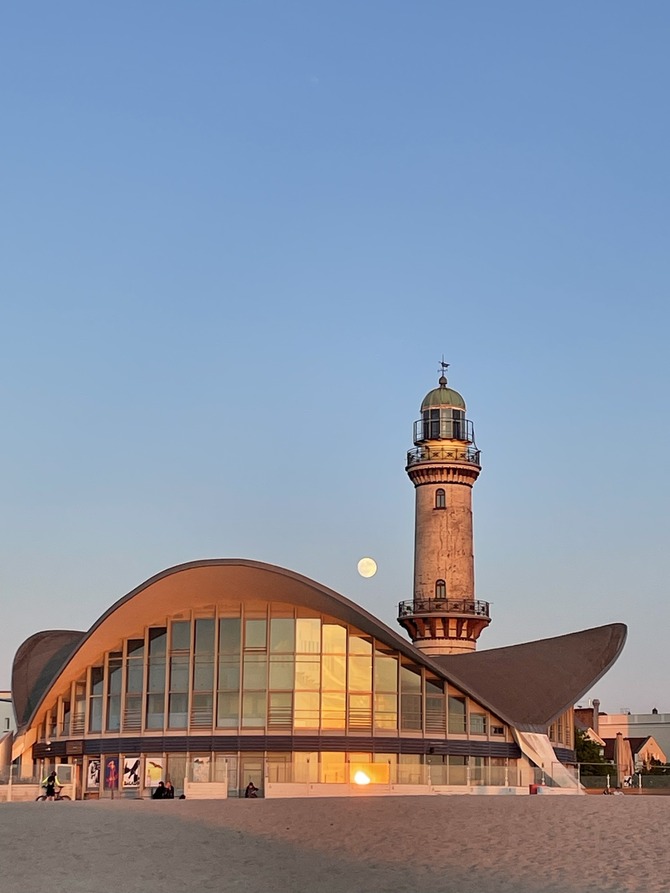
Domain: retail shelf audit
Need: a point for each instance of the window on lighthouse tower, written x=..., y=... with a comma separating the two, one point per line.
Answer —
x=440, y=589
x=445, y=423
x=440, y=499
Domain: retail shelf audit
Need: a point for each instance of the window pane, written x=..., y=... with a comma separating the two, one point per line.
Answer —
x=456, y=715
x=334, y=672
x=155, y=708
x=333, y=710
x=114, y=713
x=114, y=681
x=204, y=636
x=386, y=672
x=254, y=633
x=360, y=673
x=136, y=647
x=95, y=715
x=203, y=676
x=307, y=673
x=157, y=641
x=386, y=711
x=308, y=635
x=360, y=645
x=280, y=710
x=255, y=671
x=477, y=723
x=134, y=676
x=333, y=768
x=181, y=635
x=228, y=710
x=229, y=675
x=334, y=639
x=157, y=675
x=97, y=676
x=178, y=714
x=179, y=666
x=306, y=710
x=360, y=712
x=282, y=634
x=410, y=679
x=410, y=715
x=282, y=673
x=229, y=635
x=253, y=709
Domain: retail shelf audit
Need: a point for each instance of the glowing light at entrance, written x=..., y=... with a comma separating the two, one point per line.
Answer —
x=361, y=778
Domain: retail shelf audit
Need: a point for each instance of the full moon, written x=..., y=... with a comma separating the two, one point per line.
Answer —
x=367, y=567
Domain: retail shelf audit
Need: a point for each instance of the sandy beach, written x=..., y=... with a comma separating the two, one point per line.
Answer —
x=404, y=845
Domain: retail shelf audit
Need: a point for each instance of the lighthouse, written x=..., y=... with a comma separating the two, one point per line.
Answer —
x=443, y=617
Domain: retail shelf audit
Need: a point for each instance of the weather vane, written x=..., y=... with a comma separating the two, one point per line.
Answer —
x=443, y=366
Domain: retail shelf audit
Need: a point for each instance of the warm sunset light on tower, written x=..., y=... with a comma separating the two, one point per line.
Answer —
x=444, y=617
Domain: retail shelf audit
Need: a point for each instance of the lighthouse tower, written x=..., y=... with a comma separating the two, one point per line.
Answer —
x=443, y=617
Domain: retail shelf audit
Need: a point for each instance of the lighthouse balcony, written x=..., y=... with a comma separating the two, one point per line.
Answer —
x=455, y=452
x=452, y=606
x=443, y=428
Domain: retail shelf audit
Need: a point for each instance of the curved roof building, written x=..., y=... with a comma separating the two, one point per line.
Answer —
x=216, y=673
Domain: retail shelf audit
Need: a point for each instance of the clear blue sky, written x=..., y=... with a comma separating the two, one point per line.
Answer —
x=237, y=237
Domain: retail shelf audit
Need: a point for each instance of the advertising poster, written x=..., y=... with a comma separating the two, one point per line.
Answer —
x=93, y=775
x=201, y=769
x=111, y=773
x=153, y=771
x=131, y=772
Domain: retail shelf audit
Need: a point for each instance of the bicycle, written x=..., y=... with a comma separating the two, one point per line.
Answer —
x=57, y=796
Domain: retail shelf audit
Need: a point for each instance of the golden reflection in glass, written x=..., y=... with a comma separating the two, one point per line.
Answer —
x=333, y=768
x=333, y=713
x=308, y=635
x=306, y=710
x=360, y=673
x=307, y=673
x=334, y=672
x=306, y=767
x=386, y=711
x=334, y=639
x=359, y=644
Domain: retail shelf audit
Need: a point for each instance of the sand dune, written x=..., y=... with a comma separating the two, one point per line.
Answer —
x=399, y=845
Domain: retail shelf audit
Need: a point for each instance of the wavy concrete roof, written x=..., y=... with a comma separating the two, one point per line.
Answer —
x=35, y=664
x=500, y=679
x=534, y=683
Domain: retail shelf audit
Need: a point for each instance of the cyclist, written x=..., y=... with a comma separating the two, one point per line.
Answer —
x=49, y=784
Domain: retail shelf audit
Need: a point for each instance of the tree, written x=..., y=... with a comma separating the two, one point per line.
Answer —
x=589, y=754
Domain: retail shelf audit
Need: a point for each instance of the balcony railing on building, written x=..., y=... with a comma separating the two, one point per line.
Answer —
x=453, y=453
x=412, y=607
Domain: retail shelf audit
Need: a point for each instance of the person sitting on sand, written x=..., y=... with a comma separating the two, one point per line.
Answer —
x=250, y=790
x=160, y=792
x=169, y=791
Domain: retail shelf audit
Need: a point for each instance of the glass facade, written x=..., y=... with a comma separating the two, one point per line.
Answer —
x=265, y=670
x=270, y=669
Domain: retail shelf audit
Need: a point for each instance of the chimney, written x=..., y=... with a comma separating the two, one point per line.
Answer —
x=596, y=710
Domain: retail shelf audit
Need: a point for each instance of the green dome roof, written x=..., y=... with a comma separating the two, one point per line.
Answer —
x=443, y=396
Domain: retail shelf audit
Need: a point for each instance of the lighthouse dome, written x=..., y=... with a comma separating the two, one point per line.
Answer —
x=442, y=396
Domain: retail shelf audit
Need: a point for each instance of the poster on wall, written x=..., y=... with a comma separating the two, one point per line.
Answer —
x=201, y=769
x=111, y=773
x=93, y=774
x=131, y=772
x=153, y=771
